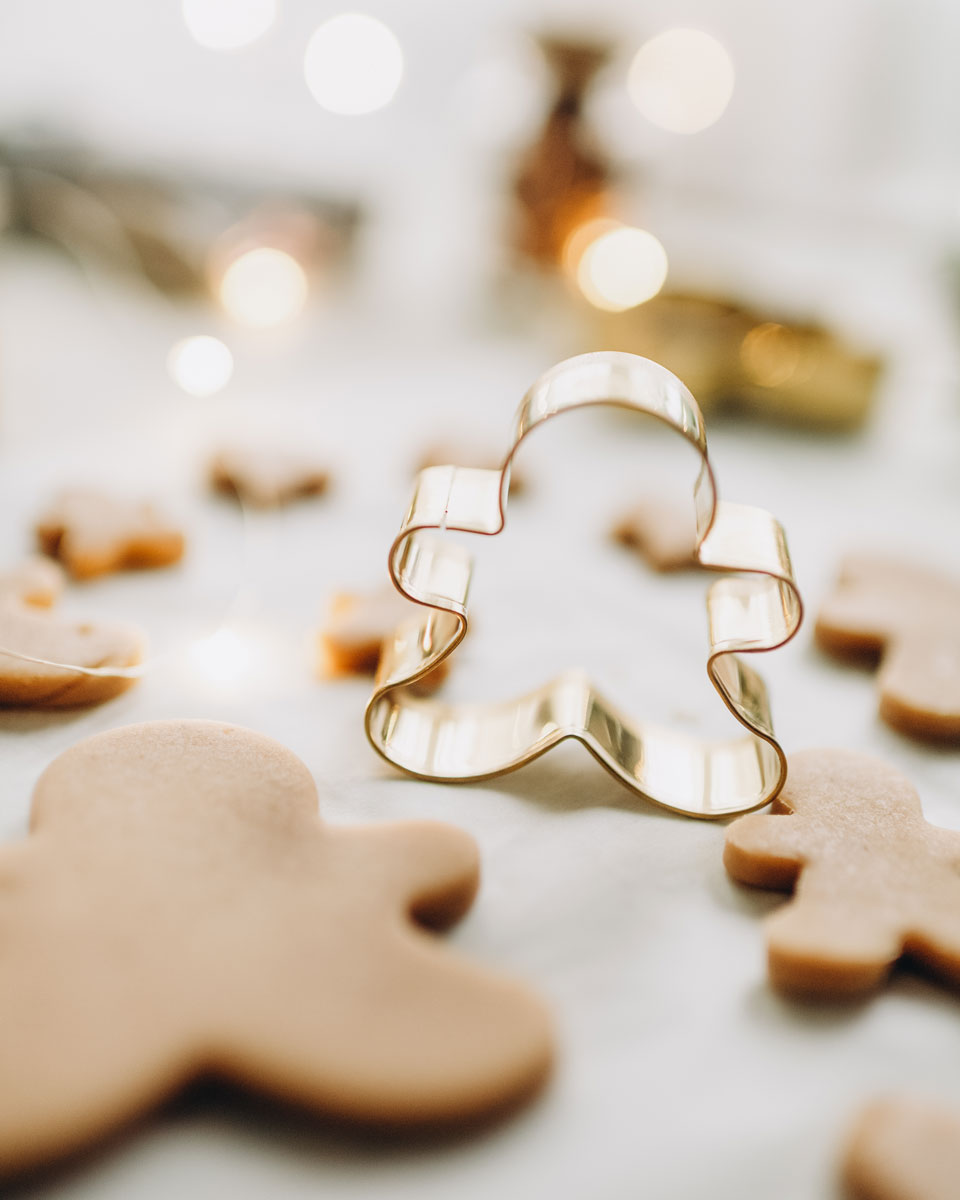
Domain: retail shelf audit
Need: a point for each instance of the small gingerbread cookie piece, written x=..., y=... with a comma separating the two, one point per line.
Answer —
x=180, y=910
x=469, y=456
x=268, y=476
x=908, y=619
x=356, y=627
x=903, y=1149
x=92, y=533
x=872, y=880
x=663, y=534
x=27, y=627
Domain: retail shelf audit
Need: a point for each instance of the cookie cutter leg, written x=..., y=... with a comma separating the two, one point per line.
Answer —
x=753, y=611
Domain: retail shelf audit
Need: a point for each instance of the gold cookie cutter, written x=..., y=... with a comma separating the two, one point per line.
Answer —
x=748, y=613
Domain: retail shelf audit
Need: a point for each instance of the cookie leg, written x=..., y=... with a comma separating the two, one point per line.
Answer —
x=827, y=951
x=407, y=1034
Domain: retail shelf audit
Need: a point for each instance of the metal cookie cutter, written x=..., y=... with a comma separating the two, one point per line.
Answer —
x=757, y=610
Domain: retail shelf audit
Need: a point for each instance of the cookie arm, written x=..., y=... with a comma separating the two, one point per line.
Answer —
x=764, y=850
x=428, y=869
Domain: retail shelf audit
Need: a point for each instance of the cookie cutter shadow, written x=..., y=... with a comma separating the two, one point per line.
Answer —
x=568, y=780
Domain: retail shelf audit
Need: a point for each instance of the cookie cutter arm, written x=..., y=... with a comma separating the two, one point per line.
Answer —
x=753, y=611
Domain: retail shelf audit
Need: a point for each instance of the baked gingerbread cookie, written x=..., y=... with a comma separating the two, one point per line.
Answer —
x=873, y=882
x=268, y=476
x=906, y=618
x=663, y=534
x=903, y=1149
x=180, y=910
x=357, y=625
x=93, y=533
x=30, y=627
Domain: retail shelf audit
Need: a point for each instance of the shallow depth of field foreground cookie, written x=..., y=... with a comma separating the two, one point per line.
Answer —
x=872, y=880
x=903, y=1149
x=179, y=909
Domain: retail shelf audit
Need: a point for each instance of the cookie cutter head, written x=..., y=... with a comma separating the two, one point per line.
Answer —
x=755, y=610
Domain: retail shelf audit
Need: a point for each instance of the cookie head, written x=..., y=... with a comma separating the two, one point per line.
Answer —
x=193, y=775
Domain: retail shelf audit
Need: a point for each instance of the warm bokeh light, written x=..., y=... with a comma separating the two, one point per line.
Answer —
x=228, y=24
x=773, y=355
x=581, y=237
x=263, y=287
x=201, y=365
x=621, y=268
x=681, y=80
x=353, y=64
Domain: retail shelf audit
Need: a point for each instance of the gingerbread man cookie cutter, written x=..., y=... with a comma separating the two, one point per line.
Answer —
x=756, y=610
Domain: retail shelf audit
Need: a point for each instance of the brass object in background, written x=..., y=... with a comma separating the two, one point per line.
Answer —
x=756, y=610
x=734, y=359
x=164, y=226
x=563, y=179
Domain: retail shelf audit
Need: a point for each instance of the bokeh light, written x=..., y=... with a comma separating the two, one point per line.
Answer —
x=201, y=365
x=228, y=24
x=353, y=64
x=773, y=355
x=681, y=80
x=263, y=287
x=621, y=268
x=581, y=237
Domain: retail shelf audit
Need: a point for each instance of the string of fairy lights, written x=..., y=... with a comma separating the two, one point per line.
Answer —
x=680, y=80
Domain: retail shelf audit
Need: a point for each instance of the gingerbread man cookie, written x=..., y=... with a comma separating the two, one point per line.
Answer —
x=872, y=880
x=354, y=632
x=903, y=1149
x=268, y=476
x=663, y=534
x=28, y=628
x=181, y=910
x=908, y=619
x=92, y=534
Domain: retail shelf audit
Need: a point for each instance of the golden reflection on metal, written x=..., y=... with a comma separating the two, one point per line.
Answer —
x=757, y=610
